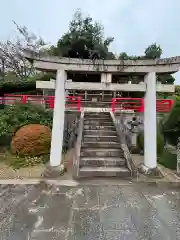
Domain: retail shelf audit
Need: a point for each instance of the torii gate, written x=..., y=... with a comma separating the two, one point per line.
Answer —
x=148, y=68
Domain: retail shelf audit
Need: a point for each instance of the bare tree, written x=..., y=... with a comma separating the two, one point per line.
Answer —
x=12, y=52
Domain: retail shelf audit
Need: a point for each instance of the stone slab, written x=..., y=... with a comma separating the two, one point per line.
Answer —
x=86, y=212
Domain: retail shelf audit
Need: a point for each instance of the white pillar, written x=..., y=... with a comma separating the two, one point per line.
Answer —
x=58, y=119
x=103, y=77
x=150, y=146
x=108, y=78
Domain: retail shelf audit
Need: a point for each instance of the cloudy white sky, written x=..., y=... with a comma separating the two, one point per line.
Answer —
x=134, y=23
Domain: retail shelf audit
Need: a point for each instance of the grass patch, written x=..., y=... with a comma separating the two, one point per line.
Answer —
x=17, y=162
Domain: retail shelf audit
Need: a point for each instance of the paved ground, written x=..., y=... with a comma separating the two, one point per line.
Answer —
x=130, y=212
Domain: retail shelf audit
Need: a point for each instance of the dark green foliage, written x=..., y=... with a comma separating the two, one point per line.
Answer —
x=160, y=141
x=11, y=84
x=177, y=90
x=171, y=124
x=17, y=86
x=168, y=159
x=46, y=76
x=16, y=116
x=153, y=51
x=85, y=39
x=125, y=56
x=166, y=78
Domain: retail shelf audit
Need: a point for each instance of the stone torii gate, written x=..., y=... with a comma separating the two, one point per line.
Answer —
x=106, y=68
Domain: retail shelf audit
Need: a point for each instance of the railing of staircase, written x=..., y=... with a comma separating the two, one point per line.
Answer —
x=137, y=104
x=77, y=150
x=121, y=131
x=72, y=102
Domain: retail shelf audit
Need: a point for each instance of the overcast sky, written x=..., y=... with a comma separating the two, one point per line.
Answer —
x=133, y=23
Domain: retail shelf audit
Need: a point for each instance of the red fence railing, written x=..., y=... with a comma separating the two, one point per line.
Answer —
x=137, y=104
x=72, y=102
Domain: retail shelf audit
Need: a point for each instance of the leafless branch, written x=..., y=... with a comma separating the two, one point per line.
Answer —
x=12, y=52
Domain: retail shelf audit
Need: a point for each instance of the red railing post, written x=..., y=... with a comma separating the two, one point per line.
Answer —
x=79, y=104
x=51, y=102
x=141, y=109
x=24, y=99
x=113, y=104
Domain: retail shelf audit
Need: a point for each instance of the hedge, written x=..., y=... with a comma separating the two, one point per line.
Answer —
x=160, y=141
x=168, y=159
x=15, y=116
x=171, y=123
x=12, y=84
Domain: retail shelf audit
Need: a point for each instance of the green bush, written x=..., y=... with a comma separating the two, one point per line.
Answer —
x=168, y=159
x=16, y=116
x=171, y=124
x=11, y=84
x=160, y=141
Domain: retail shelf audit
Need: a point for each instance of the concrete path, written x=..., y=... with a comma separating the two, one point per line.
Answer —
x=124, y=212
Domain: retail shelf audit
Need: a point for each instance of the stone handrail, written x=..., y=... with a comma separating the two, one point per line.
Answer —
x=77, y=150
x=124, y=145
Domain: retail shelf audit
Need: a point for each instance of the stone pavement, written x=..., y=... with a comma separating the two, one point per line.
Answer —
x=84, y=212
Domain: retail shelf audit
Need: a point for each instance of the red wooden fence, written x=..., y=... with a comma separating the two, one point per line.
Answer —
x=137, y=104
x=74, y=102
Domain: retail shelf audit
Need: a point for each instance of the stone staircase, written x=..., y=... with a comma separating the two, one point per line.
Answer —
x=101, y=154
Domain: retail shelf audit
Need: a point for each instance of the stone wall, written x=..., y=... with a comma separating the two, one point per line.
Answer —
x=71, y=123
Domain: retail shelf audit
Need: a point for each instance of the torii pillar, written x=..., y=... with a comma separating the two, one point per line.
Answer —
x=150, y=127
x=58, y=119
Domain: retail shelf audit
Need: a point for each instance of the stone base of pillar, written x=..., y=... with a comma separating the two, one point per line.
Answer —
x=54, y=172
x=150, y=172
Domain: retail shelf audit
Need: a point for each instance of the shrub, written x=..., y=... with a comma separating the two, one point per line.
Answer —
x=12, y=84
x=160, y=141
x=171, y=124
x=168, y=159
x=16, y=116
x=31, y=140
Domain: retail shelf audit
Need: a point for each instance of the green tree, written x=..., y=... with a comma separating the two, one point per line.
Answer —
x=166, y=78
x=171, y=123
x=177, y=90
x=84, y=39
x=153, y=51
x=123, y=56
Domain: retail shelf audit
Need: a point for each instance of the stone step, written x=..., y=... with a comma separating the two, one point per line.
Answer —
x=98, y=122
x=104, y=172
x=103, y=118
x=102, y=152
x=95, y=144
x=100, y=161
x=98, y=127
x=100, y=132
x=89, y=138
x=97, y=114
